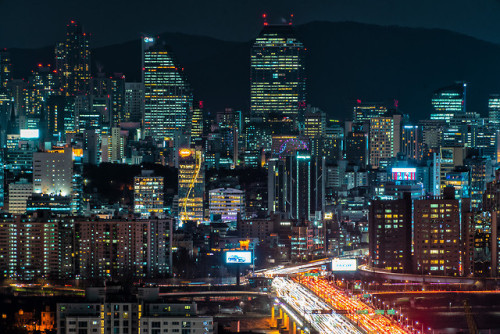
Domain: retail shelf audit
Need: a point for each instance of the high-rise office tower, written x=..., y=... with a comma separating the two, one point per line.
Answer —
x=277, y=74
x=315, y=124
x=197, y=123
x=357, y=148
x=364, y=111
x=117, y=93
x=191, y=185
x=41, y=85
x=437, y=233
x=494, y=109
x=449, y=101
x=168, y=98
x=410, y=141
x=5, y=69
x=148, y=194
x=134, y=102
x=73, y=60
x=296, y=187
x=381, y=141
x=390, y=234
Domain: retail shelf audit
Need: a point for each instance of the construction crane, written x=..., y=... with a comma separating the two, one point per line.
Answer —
x=471, y=323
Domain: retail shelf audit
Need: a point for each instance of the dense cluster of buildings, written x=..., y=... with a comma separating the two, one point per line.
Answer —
x=282, y=178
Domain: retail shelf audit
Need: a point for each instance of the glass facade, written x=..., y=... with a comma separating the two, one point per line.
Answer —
x=449, y=101
x=168, y=98
x=278, y=82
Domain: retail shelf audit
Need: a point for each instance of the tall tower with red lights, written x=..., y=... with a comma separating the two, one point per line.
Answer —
x=73, y=60
x=277, y=73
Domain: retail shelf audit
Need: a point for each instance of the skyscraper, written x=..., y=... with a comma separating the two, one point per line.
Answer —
x=277, y=74
x=168, y=97
x=296, y=187
x=134, y=102
x=494, y=109
x=437, y=232
x=390, y=234
x=73, y=60
x=449, y=101
x=363, y=111
x=381, y=140
x=5, y=69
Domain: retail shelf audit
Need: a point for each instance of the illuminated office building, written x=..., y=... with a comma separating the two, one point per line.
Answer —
x=191, y=185
x=228, y=203
x=479, y=238
x=449, y=101
x=437, y=232
x=411, y=142
x=53, y=172
x=390, y=234
x=277, y=74
x=381, y=141
x=494, y=109
x=357, y=148
x=5, y=70
x=134, y=102
x=148, y=195
x=113, y=146
x=197, y=123
x=296, y=186
x=41, y=86
x=482, y=171
x=73, y=60
x=168, y=98
x=364, y=111
x=314, y=124
x=19, y=193
x=117, y=93
x=459, y=179
x=450, y=158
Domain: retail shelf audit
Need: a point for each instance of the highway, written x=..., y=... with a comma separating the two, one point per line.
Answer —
x=297, y=293
x=371, y=322
x=304, y=302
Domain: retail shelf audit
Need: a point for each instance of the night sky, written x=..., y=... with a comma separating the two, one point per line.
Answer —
x=37, y=23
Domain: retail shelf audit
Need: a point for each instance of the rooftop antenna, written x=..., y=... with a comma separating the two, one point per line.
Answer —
x=264, y=17
x=291, y=20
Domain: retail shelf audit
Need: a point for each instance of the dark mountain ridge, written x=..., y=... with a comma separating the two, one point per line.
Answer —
x=345, y=61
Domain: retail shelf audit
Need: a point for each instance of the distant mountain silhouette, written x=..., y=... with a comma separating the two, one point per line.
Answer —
x=346, y=61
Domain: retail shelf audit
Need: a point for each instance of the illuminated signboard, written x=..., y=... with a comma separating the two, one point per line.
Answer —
x=185, y=152
x=404, y=174
x=149, y=39
x=239, y=257
x=344, y=265
x=29, y=133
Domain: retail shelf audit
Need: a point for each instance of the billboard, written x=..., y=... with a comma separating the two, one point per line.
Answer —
x=239, y=257
x=29, y=133
x=344, y=264
x=404, y=174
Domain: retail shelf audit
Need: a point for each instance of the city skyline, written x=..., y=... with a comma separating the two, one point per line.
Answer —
x=306, y=181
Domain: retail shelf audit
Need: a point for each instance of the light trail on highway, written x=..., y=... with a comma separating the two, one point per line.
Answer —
x=371, y=322
x=304, y=302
